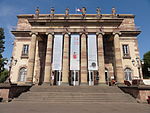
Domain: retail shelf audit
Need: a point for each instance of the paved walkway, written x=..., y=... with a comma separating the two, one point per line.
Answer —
x=104, y=107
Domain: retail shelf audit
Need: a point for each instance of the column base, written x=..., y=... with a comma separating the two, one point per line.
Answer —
x=102, y=84
x=84, y=84
x=46, y=84
x=65, y=84
x=29, y=83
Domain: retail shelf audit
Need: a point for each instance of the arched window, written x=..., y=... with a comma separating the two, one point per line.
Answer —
x=22, y=74
x=128, y=74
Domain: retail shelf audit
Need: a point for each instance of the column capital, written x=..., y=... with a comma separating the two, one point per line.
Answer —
x=35, y=33
x=119, y=33
x=66, y=33
x=85, y=33
x=102, y=33
x=47, y=33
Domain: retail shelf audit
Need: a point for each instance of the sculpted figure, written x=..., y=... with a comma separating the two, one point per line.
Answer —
x=113, y=11
x=37, y=12
x=83, y=11
x=98, y=11
x=52, y=12
x=67, y=12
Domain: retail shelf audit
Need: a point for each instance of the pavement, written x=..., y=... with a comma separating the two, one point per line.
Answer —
x=104, y=107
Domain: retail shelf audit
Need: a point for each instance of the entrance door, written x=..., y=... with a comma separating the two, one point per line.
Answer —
x=106, y=76
x=91, y=78
x=57, y=77
x=74, y=78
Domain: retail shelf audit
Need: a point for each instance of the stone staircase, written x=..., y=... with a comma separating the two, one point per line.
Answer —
x=76, y=94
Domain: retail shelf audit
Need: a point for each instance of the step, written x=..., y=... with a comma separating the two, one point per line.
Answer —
x=78, y=94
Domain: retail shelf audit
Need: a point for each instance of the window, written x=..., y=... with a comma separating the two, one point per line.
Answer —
x=125, y=50
x=128, y=74
x=25, y=50
x=22, y=74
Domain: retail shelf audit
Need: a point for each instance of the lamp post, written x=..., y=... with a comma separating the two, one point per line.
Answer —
x=138, y=63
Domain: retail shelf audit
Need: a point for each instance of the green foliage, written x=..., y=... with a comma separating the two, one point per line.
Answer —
x=2, y=37
x=146, y=65
x=3, y=75
x=3, y=71
x=2, y=60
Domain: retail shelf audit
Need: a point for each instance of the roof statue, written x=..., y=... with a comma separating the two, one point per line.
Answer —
x=37, y=12
x=98, y=11
x=83, y=12
x=66, y=12
x=114, y=11
x=52, y=12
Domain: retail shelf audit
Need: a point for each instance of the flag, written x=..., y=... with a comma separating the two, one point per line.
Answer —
x=78, y=10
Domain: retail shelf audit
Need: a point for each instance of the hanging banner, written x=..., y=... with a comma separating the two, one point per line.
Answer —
x=57, y=52
x=75, y=52
x=92, y=52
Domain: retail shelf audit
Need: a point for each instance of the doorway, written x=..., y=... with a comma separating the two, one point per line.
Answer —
x=106, y=76
x=93, y=77
x=74, y=78
x=57, y=77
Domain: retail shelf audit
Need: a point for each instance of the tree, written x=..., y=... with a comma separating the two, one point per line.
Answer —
x=3, y=71
x=146, y=66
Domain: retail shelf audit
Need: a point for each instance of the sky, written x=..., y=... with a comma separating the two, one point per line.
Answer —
x=9, y=9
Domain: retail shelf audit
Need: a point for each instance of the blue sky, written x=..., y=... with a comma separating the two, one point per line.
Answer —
x=141, y=8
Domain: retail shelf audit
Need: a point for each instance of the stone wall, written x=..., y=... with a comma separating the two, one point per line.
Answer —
x=8, y=92
x=140, y=93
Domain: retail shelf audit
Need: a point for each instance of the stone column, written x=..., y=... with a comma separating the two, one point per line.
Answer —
x=48, y=59
x=118, y=60
x=101, y=62
x=65, y=73
x=83, y=59
x=31, y=61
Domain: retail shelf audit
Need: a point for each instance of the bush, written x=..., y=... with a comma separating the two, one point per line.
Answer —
x=3, y=76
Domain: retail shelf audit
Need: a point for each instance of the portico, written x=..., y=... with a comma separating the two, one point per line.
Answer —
x=76, y=50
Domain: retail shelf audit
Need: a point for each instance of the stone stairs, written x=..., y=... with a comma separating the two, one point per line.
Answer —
x=74, y=94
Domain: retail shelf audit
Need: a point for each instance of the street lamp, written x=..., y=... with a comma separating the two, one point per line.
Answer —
x=138, y=63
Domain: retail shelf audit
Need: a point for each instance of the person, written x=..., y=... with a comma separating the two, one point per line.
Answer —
x=52, y=79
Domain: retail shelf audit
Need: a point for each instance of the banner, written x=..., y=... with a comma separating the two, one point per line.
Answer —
x=75, y=52
x=57, y=52
x=92, y=52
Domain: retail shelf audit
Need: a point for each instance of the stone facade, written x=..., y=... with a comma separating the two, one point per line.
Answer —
x=34, y=48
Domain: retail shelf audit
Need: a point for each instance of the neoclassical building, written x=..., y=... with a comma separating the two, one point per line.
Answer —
x=75, y=49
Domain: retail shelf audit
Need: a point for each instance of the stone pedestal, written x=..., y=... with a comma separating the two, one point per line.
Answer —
x=32, y=50
x=48, y=59
x=83, y=59
x=101, y=62
x=65, y=73
x=118, y=62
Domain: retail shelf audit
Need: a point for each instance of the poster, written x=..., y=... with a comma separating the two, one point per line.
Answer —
x=75, y=52
x=92, y=52
x=57, y=52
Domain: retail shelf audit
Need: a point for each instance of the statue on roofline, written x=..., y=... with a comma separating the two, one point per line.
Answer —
x=114, y=11
x=98, y=11
x=83, y=12
x=67, y=11
x=52, y=12
x=37, y=12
